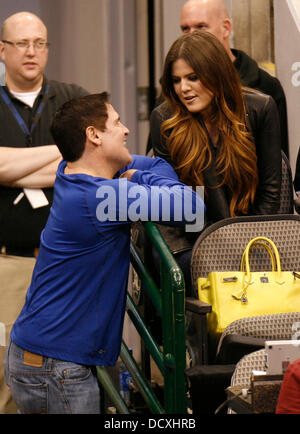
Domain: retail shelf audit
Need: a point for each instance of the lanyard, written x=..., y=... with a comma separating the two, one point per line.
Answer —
x=17, y=115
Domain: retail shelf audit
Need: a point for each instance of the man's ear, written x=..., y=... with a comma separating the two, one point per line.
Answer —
x=227, y=28
x=2, y=50
x=93, y=134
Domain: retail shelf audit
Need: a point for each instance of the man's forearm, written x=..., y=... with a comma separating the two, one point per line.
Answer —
x=17, y=163
x=41, y=178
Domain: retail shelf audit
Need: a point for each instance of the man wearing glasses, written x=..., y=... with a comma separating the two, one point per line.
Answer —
x=28, y=161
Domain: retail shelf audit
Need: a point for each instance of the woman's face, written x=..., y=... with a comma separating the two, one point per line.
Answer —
x=189, y=89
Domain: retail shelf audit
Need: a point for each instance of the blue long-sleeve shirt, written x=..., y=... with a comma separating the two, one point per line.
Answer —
x=75, y=305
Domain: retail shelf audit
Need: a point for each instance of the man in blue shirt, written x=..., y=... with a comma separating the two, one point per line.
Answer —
x=73, y=315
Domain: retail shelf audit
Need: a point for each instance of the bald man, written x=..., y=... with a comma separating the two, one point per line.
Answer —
x=28, y=161
x=213, y=16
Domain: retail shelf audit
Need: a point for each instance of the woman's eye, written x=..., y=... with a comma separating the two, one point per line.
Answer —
x=193, y=78
x=175, y=80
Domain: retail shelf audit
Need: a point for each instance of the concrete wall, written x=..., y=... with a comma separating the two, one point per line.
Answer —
x=78, y=32
x=8, y=7
x=122, y=65
x=252, y=28
x=287, y=55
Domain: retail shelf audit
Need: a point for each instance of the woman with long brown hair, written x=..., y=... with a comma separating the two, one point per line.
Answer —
x=216, y=134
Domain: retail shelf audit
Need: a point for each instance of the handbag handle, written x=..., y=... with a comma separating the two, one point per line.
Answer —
x=269, y=250
x=273, y=248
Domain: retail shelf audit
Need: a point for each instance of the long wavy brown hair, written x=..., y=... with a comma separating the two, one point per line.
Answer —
x=185, y=134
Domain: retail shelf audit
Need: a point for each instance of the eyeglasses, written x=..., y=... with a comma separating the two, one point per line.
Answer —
x=24, y=45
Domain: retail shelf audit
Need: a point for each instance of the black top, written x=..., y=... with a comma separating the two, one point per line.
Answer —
x=21, y=225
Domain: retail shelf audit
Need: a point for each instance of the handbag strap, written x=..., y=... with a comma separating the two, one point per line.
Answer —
x=272, y=247
x=270, y=252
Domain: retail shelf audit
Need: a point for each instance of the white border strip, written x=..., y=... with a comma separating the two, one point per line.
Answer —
x=295, y=11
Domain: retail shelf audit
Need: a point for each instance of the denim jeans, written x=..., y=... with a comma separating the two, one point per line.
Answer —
x=55, y=387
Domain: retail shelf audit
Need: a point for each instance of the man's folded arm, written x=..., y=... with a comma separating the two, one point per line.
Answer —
x=18, y=163
x=41, y=178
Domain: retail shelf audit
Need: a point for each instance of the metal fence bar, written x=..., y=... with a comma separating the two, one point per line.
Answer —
x=111, y=391
x=168, y=342
x=173, y=302
x=180, y=345
x=146, y=280
x=145, y=334
x=140, y=381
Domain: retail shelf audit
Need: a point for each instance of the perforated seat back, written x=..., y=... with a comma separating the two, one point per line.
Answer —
x=287, y=189
x=244, y=368
x=279, y=326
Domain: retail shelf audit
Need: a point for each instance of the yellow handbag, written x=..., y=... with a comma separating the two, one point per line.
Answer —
x=234, y=295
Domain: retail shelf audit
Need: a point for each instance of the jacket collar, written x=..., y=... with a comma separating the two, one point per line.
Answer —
x=247, y=68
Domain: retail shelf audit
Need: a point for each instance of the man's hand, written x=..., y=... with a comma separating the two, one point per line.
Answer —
x=128, y=174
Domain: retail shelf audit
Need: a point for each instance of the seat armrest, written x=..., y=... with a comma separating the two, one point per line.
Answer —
x=207, y=384
x=234, y=347
x=197, y=306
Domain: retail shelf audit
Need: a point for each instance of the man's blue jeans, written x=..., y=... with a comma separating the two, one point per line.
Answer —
x=46, y=385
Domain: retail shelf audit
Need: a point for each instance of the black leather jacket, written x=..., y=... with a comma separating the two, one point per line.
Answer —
x=263, y=121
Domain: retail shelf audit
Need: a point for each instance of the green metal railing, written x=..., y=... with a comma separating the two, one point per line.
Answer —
x=169, y=302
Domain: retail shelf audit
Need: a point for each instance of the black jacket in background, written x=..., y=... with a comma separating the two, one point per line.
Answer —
x=256, y=78
x=297, y=174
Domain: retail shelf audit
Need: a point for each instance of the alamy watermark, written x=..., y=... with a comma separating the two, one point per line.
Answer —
x=296, y=76
x=153, y=203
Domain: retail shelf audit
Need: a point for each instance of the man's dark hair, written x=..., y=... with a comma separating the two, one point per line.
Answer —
x=70, y=122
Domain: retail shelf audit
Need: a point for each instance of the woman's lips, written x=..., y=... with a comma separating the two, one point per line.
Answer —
x=189, y=98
